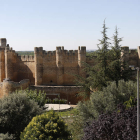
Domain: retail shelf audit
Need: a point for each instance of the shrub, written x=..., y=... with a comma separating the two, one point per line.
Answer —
x=6, y=136
x=16, y=111
x=117, y=125
x=131, y=102
x=102, y=102
x=108, y=99
x=40, y=97
x=46, y=126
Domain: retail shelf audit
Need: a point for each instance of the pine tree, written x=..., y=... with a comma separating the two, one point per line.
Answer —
x=117, y=69
x=101, y=75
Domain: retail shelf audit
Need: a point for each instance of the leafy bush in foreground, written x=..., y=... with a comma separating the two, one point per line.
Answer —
x=16, y=111
x=118, y=125
x=40, y=97
x=102, y=102
x=6, y=136
x=47, y=126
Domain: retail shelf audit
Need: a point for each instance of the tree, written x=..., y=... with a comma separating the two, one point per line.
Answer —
x=16, y=111
x=117, y=125
x=100, y=77
x=117, y=69
x=97, y=76
x=46, y=126
x=102, y=102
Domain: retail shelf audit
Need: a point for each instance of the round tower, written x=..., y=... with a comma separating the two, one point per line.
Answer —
x=125, y=53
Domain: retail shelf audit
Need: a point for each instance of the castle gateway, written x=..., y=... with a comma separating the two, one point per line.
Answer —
x=51, y=71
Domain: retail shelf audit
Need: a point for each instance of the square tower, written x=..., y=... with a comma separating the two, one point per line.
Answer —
x=3, y=42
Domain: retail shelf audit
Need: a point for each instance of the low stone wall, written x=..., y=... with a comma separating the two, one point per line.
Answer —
x=66, y=92
x=7, y=86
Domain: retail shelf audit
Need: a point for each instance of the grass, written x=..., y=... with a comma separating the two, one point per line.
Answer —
x=69, y=113
x=72, y=112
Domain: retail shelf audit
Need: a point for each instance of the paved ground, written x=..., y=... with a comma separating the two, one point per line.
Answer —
x=58, y=107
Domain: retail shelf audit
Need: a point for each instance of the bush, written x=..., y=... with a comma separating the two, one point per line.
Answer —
x=46, y=126
x=56, y=101
x=108, y=99
x=131, y=102
x=40, y=97
x=16, y=111
x=102, y=102
x=118, y=125
x=6, y=136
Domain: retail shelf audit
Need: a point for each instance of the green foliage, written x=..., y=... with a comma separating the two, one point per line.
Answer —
x=16, y=111
x=25, y=52
x=104, y=101
x=117, y=69
x=6, y=136
x=40, y=97
x=107, y=100
x=91, y=55
x=108, y=66
x=131, y=102
x=47, y=126
x=71, y=113
x=48, y=100
x=56, y=101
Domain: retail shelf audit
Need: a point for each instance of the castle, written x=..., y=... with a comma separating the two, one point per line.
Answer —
x=50, y=71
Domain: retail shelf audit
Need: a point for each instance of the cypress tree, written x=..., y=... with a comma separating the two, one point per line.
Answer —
x=117, y=69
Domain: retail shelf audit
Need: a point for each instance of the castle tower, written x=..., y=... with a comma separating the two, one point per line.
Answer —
x=3, y=42
x=125, y=53
x=7, y=86
x=2, y=64
x=60, y=65
x=38, y=56
x=2, y=58
x=9, y=73
x=138, y=56
x=81, y=59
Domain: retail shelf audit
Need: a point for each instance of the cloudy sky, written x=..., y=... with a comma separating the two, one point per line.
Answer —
x=70, y=23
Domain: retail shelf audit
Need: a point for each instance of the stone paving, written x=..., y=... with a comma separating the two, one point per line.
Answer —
x=60, y=107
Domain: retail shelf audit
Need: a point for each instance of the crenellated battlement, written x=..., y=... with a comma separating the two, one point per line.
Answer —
x=38, y=49
x=26, y=57
x=82, y=49
x=50, y=53
x=71, y=52
x=56, y=67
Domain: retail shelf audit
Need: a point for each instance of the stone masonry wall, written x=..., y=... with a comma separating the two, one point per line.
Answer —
x=7, y=86
x=58, y=67
x=66, y=92
x=49, y=68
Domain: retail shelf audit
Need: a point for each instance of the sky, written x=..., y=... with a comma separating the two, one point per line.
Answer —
x=70, y=23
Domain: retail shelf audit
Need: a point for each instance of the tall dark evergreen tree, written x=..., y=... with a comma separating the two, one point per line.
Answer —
x=108, y=66
x=118, y=70
x=115, y=54
x=99, y=73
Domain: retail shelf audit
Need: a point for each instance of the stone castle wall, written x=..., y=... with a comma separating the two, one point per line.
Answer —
x=58, y=67
x=52, y=68
x=7, y=86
